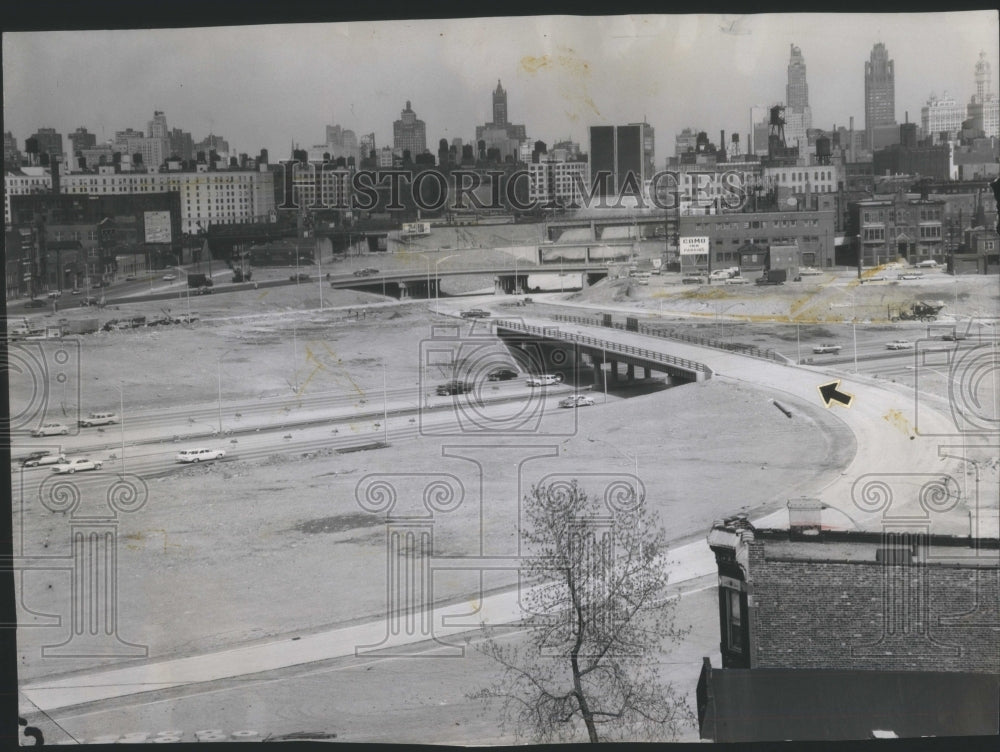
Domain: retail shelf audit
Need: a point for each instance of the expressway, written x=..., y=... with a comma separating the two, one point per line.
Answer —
x=880, y=417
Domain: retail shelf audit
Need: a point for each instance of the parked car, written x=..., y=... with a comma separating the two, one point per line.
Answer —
x=88, y=301
x=475, y=313
x=45, y=459
x=454, y=387
x=501, y=374
x=577, y=400
x=98, y=419
x=200, y=455
x=809, y=271
x=169, y=277
x=899, y=344
x=694, y=279
x=910, y=275
x=55, y=294
x=300, y=276
x=544, y=380
x=51, y=429
x=954, y=336
x=366, y=272
x=130, y=278
x=78, y=465
x=737, y=281
x=928, y=264
x=827, y=348
x=720, y=274
x=76, y=292
x=35, y=303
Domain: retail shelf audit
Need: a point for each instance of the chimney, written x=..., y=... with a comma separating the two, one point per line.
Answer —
x=851, y=145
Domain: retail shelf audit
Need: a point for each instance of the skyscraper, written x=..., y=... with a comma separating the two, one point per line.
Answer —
x=499, y=105
x=409, y=133
x=798, y=116
x=880, y=99
x=500, y=133
x=797, y=90
x=82, y=139
x=984, y=108
x=621, y=151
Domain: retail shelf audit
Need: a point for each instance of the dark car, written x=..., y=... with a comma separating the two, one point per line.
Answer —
x=501, y=374
x=36, y=303
x=454, y=387
x=299, y=276
x=475, y=313
x=366, y=272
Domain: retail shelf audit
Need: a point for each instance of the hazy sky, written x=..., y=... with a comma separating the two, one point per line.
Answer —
x=264, y=86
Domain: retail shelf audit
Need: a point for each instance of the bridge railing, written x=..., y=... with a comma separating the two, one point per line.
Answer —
x=611, y=347
x=751, y=350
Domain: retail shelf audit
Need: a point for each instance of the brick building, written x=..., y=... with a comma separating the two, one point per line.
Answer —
x=809, y=607
x=811, y=231
x=897, y=226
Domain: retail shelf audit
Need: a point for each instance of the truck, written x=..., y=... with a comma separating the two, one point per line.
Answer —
x=200, y=282
x=81, y=326
x=773, y=277
x=242, y=276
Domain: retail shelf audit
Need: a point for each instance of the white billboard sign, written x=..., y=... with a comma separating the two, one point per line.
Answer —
x=157, y=226
x=693, y=246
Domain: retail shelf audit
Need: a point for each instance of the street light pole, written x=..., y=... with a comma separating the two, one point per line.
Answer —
x=121, y=409
x=385, y=408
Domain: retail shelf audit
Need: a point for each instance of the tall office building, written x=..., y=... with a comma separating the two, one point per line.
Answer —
x=157, y=127
x=798, y=116
x=797, y=90
x=49, y=142
x=880, y=99
x=620, y=151
x=409, y=133
x=499, y=105
x=82, y=139
x=500, y=133
x=984, y=108
x=941, y=118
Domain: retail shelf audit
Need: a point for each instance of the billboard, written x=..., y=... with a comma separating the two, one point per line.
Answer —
x=157, y=225
x=693, y=246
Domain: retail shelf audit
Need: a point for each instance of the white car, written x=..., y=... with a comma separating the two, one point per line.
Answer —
x=98, y=419
x=899, y=344
x=51, y=429
x=169, y=277
x=808, y=271
x=737, y=281
x=928, y=264
x=48, y=459
x=544, y=380
x=910, y=275
x=720, y=274
x=577, y=400
x=827, y=348
x=73, y=466
x=199, y=455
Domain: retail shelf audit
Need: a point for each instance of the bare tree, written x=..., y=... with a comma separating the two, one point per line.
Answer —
x=594, y=585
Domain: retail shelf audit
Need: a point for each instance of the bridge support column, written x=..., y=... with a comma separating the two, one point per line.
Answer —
x=498, y=286
x=630, y=372
x=598, y=374
x=614, y=370
x=643, y=372
x=404, y=292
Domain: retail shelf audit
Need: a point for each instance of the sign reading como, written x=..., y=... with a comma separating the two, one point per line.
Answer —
x=693, y=246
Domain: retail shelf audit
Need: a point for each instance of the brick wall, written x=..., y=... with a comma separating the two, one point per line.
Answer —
x=873, y=616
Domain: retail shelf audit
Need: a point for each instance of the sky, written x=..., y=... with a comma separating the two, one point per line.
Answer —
x=267, y=86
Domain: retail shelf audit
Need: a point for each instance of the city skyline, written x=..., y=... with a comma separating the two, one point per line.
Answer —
x=561, y=74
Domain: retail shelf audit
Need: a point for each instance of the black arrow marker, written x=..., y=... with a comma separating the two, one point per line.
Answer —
x=831, y=394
